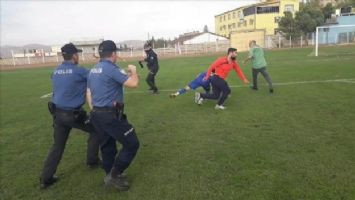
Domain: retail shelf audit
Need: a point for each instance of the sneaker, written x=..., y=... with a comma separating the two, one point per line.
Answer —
x=198, y=98
x=47, y=183
x=200, y=101
x=172, y=96
x=219, y=107
x=271, y=90
x=155, y=92
x=120, y=182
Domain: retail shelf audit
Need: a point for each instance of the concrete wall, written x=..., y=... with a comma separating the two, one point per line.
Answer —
x=240, y=39
x=339, y=35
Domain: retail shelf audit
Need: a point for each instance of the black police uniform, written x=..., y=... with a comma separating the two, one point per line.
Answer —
x=69, y=89
x=153, y=67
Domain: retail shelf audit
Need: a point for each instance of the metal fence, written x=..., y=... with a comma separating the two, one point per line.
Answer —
x=178, y=50
x=278, y=41
x=269, y=42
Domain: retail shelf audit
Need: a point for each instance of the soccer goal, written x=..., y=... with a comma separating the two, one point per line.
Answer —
x=335, y=40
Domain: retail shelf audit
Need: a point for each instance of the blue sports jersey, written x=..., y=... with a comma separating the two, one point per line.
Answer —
x=199, y=82
x=105, y=82
x=69, y=85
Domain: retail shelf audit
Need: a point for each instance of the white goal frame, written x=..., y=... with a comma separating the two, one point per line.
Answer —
x=322, y=27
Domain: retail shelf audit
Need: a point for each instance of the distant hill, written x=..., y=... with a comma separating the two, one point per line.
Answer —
x=5, y=51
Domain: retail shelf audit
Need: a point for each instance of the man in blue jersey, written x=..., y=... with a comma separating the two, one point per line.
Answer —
x=105, y=96
x=69, y=82
x=196, y=83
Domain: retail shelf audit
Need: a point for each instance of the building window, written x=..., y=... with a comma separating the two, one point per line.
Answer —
x=345, y=10
x=224, y=18
x=249, y=11
x=240, y=15
x=251, y=21
x=233, y=25
x=233, y=15
x=220, y=19
x=289, y=8
x=239, y=24
x=273, y=9
x=229, y=16
x=245, y=22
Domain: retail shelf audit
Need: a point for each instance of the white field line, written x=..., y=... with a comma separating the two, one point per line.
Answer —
x=348, y=81
x=46, y=95
x=351, y=80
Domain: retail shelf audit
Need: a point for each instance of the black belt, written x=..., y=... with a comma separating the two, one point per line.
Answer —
x=74, y=110
x=104, y=109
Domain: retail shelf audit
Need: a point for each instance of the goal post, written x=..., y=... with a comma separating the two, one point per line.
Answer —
x=334, y=35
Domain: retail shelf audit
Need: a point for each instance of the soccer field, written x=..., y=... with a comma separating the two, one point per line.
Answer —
x=298, y=143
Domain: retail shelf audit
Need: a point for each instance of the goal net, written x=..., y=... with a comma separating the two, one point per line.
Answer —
x=335, y=40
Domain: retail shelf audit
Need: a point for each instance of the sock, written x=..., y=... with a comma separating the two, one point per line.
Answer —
x=182, y=91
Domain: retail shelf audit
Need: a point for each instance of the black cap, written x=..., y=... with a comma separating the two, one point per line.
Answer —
x=231, y=50
x=70, y=49
x=107, y=46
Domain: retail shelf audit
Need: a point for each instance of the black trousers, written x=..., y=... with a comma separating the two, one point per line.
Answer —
x=111, y=128
x=63, y=122
x=264, y=73
x=151, y=80
x=220, y=90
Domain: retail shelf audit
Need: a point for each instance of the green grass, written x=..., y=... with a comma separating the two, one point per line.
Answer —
x=298, y=143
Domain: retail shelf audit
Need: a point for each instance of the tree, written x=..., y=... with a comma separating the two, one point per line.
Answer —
x=308, y=18
x=288, y=26
x=161, y=42
x=346, y=3
x=328, y=10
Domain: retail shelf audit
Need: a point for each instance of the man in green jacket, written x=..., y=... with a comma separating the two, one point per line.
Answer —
x=256, y=55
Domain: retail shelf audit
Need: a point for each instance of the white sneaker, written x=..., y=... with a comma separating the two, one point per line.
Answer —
x=219, y=107
x=197, y=97
x=200, y=101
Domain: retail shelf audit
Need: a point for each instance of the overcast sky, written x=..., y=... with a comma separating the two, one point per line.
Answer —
x=57, y=22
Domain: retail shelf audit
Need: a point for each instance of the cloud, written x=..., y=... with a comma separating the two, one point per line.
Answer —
x=56, y=22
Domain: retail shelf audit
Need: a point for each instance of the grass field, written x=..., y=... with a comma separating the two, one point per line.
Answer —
x=298, y=143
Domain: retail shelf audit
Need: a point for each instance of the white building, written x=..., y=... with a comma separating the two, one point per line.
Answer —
x=199, y=38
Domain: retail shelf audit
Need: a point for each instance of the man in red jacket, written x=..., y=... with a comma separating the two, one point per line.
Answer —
x=222, y=66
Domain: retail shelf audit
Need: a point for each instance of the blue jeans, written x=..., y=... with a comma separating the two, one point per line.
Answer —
x=111, y=129
x=220, y=90
x=263, y=71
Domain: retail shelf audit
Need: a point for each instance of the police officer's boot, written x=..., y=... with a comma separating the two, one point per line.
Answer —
x=118, y=181
x=43, y=184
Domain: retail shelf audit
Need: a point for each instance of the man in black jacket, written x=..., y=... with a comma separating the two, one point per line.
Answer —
x=153, y=66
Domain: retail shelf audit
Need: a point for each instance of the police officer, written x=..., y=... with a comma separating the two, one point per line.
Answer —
x=153, y=66
x=105, y=92
x=69, y=88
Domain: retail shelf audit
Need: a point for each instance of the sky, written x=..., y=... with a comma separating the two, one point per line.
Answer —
x=57, y=22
